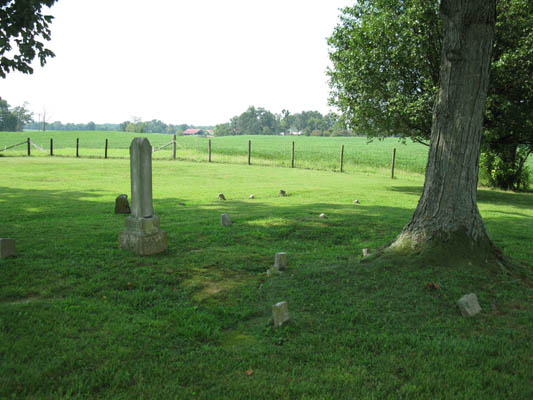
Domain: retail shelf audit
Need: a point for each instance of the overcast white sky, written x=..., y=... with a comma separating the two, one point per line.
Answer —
x=180, y=61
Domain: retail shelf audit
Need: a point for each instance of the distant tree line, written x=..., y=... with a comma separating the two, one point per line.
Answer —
x=59, y=126
x=259, y=121
x=155, y=126
x=22, y=119
x=13, y=119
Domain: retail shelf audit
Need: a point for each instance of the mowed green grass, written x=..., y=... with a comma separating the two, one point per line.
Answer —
x=320, y=153
x=80, y=318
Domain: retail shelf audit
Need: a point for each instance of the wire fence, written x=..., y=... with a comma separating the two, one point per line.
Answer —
x=333, y=154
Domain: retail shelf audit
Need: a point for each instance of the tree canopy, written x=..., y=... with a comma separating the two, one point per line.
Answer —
x=386, y=56
x=23, y=30
x=508, y=138
x=13, y=118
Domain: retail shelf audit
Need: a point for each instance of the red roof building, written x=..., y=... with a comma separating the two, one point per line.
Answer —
x=189, y=132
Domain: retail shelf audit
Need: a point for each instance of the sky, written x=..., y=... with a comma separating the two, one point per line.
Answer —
x=198, y=62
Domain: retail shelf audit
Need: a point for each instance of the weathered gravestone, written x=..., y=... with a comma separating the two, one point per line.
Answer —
x=280, y=313
x=469, y=305
x=7, y=247
x=225, y=220
x=142, y=234
x=280, y=261
x=122, y=206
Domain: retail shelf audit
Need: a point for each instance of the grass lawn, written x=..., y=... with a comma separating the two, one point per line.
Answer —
x=80, y=318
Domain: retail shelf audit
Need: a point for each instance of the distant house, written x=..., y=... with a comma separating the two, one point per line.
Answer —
x=191, y=132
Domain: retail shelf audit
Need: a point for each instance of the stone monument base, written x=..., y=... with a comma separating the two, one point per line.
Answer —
x=143, y=236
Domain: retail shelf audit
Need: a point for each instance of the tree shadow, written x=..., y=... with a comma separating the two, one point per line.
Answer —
x=520, y=200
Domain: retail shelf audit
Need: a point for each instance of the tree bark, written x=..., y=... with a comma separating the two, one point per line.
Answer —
x=447, y=209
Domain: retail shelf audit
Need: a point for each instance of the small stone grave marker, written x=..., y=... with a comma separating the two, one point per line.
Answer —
x=122, y=206
x=322, y=215
x=225, y=220
x=469, y=305
x=356, y=201
x=280, y=261
x=7, y=247
x=280, y=313
x=252, y=196
x=366, y=252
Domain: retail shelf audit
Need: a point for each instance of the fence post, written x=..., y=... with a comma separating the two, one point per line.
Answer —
x=209, y=151
x=51, y=146
x=249, y=151
x=393, y=161
x=342, y=155
x=77, y=147
x=106, y=148
x=292, y=156
x=174, y=148
x=29, y=148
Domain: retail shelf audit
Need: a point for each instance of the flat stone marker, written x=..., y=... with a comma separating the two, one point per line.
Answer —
x=225, y=220
x=122, y=205
x=142, y=234
x=469, y=305
x=7, y=247
x=280, y=261
x=280, y=313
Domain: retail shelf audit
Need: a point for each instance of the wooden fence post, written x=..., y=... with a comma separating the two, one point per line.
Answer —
x=249, y=151
x=106, y=148
x=29, y=147
x=292, y=156
x=51, y=146
x=342, y=155
x=209, y=151
x=77, y=147
x=174, y=148
x=393, y=161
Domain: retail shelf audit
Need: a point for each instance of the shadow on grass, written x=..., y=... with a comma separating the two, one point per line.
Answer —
x=75, y=220
x=521, y=200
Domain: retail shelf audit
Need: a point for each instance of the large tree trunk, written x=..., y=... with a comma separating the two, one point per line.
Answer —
x=447, y=210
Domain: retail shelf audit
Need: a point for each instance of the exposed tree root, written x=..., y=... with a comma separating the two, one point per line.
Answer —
x=450, y=251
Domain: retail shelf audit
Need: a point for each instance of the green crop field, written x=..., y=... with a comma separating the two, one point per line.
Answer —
x=321, y=153
x=81, y=318
x=310, y=152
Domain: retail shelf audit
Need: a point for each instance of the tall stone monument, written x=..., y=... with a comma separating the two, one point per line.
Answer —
x=142, y=234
